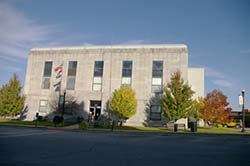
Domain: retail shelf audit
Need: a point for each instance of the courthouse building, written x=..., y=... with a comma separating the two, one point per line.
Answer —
x=91, y=74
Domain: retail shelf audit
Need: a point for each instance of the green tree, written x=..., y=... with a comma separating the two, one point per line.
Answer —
x=123, y=103
x=197, y=106
x=177, y=99
x=11, y=100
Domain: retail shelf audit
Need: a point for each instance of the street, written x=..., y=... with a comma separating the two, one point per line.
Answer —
x=30, y=146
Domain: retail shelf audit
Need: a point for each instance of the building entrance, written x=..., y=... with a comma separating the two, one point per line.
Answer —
x=95, y=109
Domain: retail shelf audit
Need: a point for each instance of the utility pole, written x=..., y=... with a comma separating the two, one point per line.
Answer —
x=243, y=110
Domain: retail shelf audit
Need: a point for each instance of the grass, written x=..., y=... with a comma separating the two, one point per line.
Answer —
x=205, y=130
x=221, y=130
x=31, y=123
x=137, y=128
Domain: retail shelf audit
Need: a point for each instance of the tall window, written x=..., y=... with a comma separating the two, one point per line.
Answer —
x=43, y=106
x=157, y=73
x=47, y=75
x=98, y=72
x=127, y=72
x=71, y=75
x=155, y=112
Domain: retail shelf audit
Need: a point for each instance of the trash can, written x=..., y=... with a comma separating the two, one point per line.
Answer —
x=193, y=126
x=175, y=127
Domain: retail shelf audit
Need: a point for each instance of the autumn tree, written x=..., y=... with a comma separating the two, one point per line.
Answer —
x=11, y=99
x=177, y=99
x=215, y=108
x=123, y=103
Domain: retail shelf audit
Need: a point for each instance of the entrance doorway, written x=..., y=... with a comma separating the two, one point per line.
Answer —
x=95, y=109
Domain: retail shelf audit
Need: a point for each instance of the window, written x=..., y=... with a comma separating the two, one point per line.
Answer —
x=72, y=67
x=157, y=69
x=157, y=73
x=98, y=72
x=43, y=106
x=47, y=75
x=155, y=112
x=68, y=109
x=98, y=69
x=127, y=72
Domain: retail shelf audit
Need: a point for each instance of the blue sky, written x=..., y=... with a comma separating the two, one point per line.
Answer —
x=217, y=33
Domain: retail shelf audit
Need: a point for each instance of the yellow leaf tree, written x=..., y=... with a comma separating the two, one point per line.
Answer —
x=123, y=103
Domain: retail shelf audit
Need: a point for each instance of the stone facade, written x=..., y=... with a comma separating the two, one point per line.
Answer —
x=174, y=57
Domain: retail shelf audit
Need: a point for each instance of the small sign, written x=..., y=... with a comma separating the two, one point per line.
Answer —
x=240, y=100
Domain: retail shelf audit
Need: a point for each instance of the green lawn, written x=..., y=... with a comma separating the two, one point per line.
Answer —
x=31, y=123
x=221, y=130
x=207, y=130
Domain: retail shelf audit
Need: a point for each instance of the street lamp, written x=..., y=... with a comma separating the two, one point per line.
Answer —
x=242, y=103
x=63, y=103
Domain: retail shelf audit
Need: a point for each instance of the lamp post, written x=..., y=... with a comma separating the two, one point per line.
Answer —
x=63, y=104
x=243, y=110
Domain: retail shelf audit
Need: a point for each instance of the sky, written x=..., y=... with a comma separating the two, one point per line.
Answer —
x=217, y=33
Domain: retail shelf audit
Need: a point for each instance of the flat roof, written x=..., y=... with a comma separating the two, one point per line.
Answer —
x=110, y=47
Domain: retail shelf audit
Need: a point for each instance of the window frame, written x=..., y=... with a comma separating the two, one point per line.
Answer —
x=155, y=113
x=41, y=106
x=46, y=79
x=71, y=75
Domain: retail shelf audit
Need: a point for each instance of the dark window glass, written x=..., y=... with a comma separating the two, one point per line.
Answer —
x=47, y=69
x=95, y=103
x=155, y=112
x=98, y=70
x=127, y=69
x=72, y=68
x=157, y=69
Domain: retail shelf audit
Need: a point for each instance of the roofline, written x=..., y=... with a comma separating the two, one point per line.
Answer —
x=110, y=47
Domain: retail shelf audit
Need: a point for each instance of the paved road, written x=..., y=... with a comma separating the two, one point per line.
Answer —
x=24, y=146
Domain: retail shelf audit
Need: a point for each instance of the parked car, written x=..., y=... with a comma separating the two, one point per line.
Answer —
x=234, y=124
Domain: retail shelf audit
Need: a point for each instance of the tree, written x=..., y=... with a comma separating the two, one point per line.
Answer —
x=215, y=109
x=177, y=99
x=71, y=106
x=123, y=103
x=11, y=99
x=197, y=106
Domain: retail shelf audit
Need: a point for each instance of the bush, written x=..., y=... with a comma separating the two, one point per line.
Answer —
x=57, y=120
x=219, y=125
x=83, y=125
x=80, y=119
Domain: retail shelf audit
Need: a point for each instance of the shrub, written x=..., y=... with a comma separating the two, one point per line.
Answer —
x=83, y=125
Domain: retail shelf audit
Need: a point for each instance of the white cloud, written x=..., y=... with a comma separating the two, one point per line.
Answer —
x=213, y=73
x=222, y=83
x=19, y=33
x=218, y=78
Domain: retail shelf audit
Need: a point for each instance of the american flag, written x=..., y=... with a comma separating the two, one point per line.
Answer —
x=58, y=70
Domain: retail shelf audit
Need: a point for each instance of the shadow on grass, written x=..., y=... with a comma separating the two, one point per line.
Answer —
x=33, y=123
